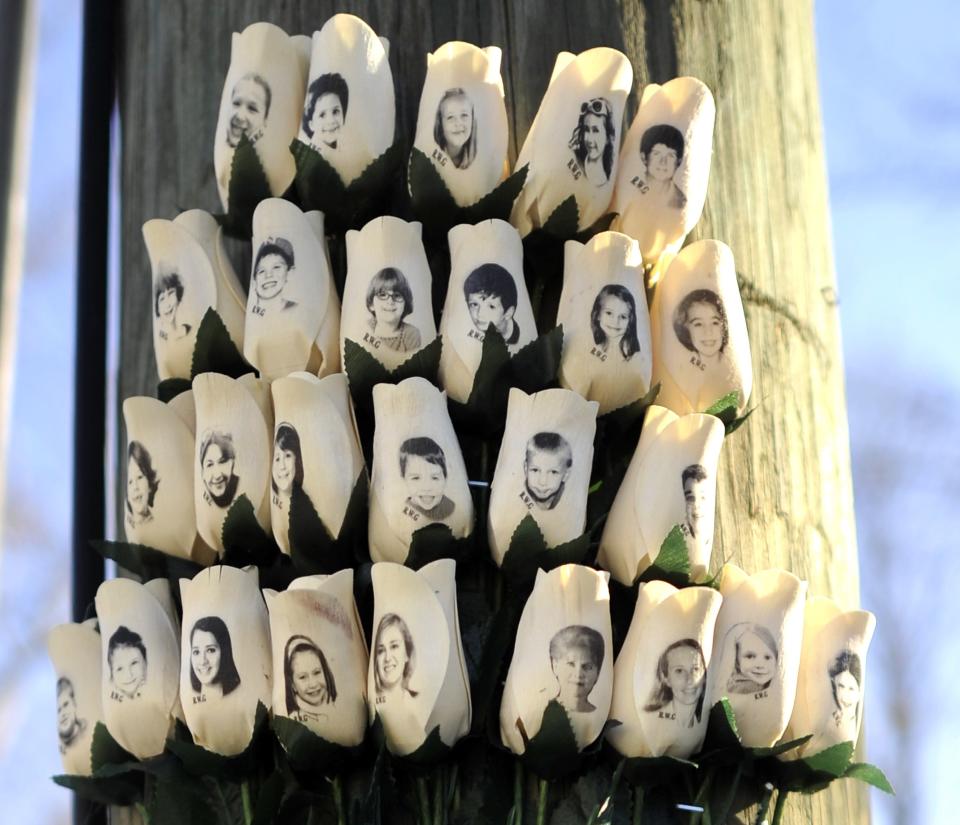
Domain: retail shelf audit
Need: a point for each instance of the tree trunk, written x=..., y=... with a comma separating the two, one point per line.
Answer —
x=785, y=496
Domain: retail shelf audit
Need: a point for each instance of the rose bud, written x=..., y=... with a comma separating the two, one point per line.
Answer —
x=607, y=356
x=671, y=480
x=232, y=458
x=225, y=663
x=831, y=684
x=320, y=657
x=190, y=273
x=348, y=112
x=486, y=287
x=315, y=448
x=387, y=304
x=665, y=166
x=141, y=663
x=543, y=468
x=74, y=650
x=293, y=312
x=158, y=505
x=574, y=140
x=757, y=651
x=563, y=652
x=418, y=475
x=261, y=101
x=660, y=677
x=701, y=347
x=462, y=122
x=417, y=678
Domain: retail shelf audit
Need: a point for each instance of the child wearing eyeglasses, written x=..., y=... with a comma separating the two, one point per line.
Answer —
x=389, y=301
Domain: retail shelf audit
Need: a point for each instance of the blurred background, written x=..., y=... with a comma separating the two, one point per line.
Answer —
x=891, y=117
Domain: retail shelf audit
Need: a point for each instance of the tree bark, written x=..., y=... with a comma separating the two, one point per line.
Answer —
x=785, y=494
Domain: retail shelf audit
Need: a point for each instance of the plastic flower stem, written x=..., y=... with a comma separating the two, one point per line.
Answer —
x=144, y=813
x=637, y=804
x=245, y=799
x=731, y=794
x=781, y=805
x=517, y=775
x=338, y=799
x=453, y=792
x=543, y=790
x=423, y=796
x=764, y=805
x=702, y=794
x=438, y=809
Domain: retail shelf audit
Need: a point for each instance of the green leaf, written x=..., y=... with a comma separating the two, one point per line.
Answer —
x=833, y=760
x=725, y=408
x=105, y=751
x=630, y=415
x=318, y=183
x=198, y=761
x=722, y=743
x=436, y=541
x=536, y=365
x=144, y=562
x=432, y=751
x=312, y=548
x=170, y=388
x=485, y=410
x=870, y=774
x=215, y=350
x=248, y=186
x=124, y=790
x=564, y=220
x=306, y=750
x=362, y=369
x=432, y=202
x=374, y=181
x=497, y=204
x=244, y=540
x=173, y=805
x=782, y=747
x=673, y=561
x=528, y=552
x=553, y=752
x=601, y=224
x=737, y=423
x=424, y=363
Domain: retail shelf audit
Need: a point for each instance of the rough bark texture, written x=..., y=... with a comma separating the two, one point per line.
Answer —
x=785, y=497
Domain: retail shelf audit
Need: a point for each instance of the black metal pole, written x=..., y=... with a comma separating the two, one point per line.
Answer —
x=89, y=430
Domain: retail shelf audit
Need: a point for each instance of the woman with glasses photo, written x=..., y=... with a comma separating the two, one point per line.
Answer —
x=389, y=302
x=593, y=141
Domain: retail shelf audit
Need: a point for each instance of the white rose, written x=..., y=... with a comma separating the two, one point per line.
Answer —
x=190, y=273
x=486, y=287
x=574, y=140
x=462, y=122
x=660, y=677
x=418, y=475
x=141, y=663
x=225, y=663
x=563, y=652
x=607, y=356
x=417, y=678
x=672, y=479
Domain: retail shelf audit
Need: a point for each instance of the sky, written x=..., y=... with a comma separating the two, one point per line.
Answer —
x=892, y=131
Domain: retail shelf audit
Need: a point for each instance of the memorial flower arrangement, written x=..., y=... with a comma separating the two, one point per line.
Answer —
x=424, y=515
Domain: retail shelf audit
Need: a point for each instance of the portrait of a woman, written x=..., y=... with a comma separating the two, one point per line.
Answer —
x=394, y=658
x=127, y=662
x=613, y=321
x=755, y=659
x=142, y=485
x=326, y=111
x=167, y=296
x=846, y=678
x=212, y=669
x=661, y=150
x=455, y=128
x=287, y=472
x=389, y=302
x=576, y=656
x=69, y=724
x=681, y=682
x=249, y=109
x=309, y=684
x=700, y=324
x=218, y=464
x=594, y=140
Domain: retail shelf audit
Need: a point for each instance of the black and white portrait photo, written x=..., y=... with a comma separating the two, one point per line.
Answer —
x=142, y=485
x=309, y=683
x=613, y=322
x=394, y=659
x=700, y=324
x=287, y=472
x=594, y=141
x=491, y=296
x=271, y=269
x=218, y=464
x=576, y=656
x=547, y=462
x=846, y=679
x=213, y=672
x=755, y=659
x=696, y=504
x=680, y=685
x=389, y=301
x=455, y=129
x=661, y=151
x=167, y=297
x=326, y=111
x=127, y=663
x=424, y=470
x=69, y=724
x=249, y=109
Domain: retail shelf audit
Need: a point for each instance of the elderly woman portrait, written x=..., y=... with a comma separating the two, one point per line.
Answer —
x=127, y=662
x=69, y=724
x=455, y=128
x=846, y=680
x=249, y=109
x=613, y=321
x=576, y=656
x=142, y=485
x=167, y=295
x=212, y=669
x=389, y=302
x=394, y=658
x=700, y=324
x=661, y=150
x=325, y=111
x=681, y=682
x=287, y=472
x=218, y=465
x=594, y=140
x=755, y=659
x=308, y=681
